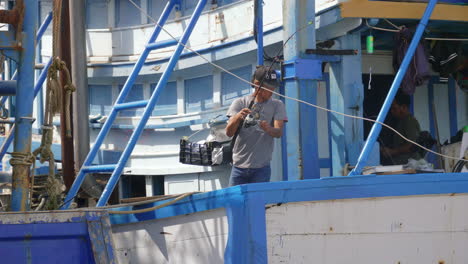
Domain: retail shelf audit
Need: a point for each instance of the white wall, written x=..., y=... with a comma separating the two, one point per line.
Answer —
x=195, y=238
x=416, y=229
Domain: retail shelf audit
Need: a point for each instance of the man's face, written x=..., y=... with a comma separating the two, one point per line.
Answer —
x=398, y=111
x=264, y=94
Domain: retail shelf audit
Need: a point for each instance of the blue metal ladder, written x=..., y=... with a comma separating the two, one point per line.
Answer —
x=120, y=105
x=37, y=87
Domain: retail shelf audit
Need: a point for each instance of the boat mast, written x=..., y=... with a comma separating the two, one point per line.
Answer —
x=66, y=137
x=80, y=79
x=301, y=129
x=21, y=156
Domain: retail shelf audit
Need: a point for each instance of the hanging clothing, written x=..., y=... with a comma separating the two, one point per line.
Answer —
x=418, y=70
x=446, y=57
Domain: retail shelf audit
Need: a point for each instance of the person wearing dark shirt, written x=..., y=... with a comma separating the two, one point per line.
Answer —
x=401, y=150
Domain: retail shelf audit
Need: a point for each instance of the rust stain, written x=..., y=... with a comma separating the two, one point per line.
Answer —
x=219, y=18
x=331, y=229
x=441, y=262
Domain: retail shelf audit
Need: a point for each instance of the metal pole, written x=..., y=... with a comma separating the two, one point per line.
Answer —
x=259, y=24
x=68, y=157
x=37, y=88
x=24, y=107
x=375, y=131
x=39, y=35
x=80, y=79
x=301, y=128
x=152, y=102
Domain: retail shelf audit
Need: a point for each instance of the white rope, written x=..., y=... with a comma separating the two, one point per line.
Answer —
x=398, y=30
x=290, y=98
x=377, y=28
x=395, y=26
x=448, y=39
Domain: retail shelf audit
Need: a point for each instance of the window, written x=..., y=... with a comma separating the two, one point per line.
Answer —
x=100, y=99
x=167, y=101
x=135, y=94
x=155, y=9
x=199, y=94
x=232, y=88
x=126, y=14
x=96, y=14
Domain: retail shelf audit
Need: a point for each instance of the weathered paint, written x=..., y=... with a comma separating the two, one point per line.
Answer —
x=346, y=96
x=405, y=229
x=196, y=238
x=24, y=104
x=242, y=203
x=60, y=237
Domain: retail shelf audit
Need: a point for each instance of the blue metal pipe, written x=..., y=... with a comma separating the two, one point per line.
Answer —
x=376, y=128
x=40, y=81
x=113, y=114
x=24, y=104
x=100, y=168
x=162, y=44
x=135, y=104
x=148, y=110
x=45, y=24
x=7, y=88
x=259, y=19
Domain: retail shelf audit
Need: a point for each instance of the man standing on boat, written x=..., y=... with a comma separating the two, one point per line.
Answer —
x=256, y=128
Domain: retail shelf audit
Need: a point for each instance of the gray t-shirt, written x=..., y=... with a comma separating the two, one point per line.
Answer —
x=254, y=147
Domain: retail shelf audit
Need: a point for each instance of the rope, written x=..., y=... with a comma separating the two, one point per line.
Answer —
x=145, y=210
x=24, y=159
x=56, y=23
x=54, y=94
x=388, y=21
x=290, y=98
x=398, y=30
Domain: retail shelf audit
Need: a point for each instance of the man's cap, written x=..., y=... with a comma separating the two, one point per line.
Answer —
x=268, y=75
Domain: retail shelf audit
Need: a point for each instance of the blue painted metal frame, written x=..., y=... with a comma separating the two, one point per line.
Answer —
x=326, y=78
x=40, y=81
x=302, y=68
x=7, y=88
x=24, y=104
x=430, y=100
x=246, y=204
x=452, y=96
x=147, y=112
x=376, y=128
x=62, y=237
x=38, y=86
x=113, y=114
x=259, y=21
x=40, y=32
x=301, y=129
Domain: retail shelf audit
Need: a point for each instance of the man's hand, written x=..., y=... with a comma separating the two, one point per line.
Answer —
x=387, y=152
x=265, y=126
x=276, y=131
x=235, y=120
x=243, y=113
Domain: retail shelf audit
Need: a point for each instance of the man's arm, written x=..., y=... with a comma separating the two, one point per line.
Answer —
x=402, y=149
x=276, y=131
x=235, y=120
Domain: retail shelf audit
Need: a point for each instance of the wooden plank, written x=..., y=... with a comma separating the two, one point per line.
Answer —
x=402, y=10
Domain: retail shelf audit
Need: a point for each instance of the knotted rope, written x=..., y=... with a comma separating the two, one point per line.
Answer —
x=54, y=92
